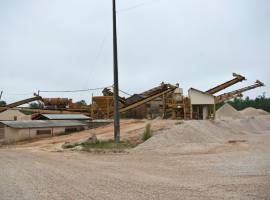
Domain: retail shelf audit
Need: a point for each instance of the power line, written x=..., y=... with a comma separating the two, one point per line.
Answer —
x=136, y=6
x=125, y=92
x=19, y=94
x=101, y=46
x=72, y=91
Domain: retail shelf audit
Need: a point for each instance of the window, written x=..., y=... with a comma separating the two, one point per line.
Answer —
x=44, y=132
x=2, y=133
x=71, y=130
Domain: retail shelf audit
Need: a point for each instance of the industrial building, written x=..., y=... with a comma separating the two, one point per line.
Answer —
x=13, y=131
x=202, y=104
x=164, y=101
x=79, y=117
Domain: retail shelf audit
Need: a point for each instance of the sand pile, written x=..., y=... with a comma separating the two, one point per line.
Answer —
x=228, y=112
x=204, y=136
x=249, y=125
x=191, y=137
x=252, y=112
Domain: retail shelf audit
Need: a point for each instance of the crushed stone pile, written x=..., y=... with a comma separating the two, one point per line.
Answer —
x=228, y=112
x=250, y=125
x=189, y=138
x=204, y=136
x=252, y=112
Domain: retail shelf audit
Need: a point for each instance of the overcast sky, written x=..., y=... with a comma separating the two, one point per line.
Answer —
x=67, y=45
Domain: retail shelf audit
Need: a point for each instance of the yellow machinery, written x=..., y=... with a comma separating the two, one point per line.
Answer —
x=166, y=96
x=238, y=78
x=237, y=93
x=102, y=106
x=18, y=103
x=108, y=92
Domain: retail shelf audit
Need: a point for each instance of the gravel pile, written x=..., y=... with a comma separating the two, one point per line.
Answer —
x=228, y=112
x=252, y=112
x=190, y=138
x=204, y=136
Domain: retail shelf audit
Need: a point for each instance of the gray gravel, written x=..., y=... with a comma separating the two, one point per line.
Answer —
x=190, y=161
x=27, y=174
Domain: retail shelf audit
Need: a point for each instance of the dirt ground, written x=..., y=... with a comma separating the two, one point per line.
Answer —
x=190, y=160
x=130, y=130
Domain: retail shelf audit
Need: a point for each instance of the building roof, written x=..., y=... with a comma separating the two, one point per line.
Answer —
x=42, y=123
x=198, y=97
x=102, y=121
x=201, y=92
x=63, y=117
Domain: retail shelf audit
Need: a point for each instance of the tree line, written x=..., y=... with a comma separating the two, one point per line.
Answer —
x=260, y=102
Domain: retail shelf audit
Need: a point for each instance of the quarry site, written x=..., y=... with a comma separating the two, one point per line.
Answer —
x=224, y=158
x=171, y=123
x=171, y=146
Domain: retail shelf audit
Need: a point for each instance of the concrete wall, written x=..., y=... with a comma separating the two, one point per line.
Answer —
x=12, y=135
x=57, y=131
x=198, y=98
x=2, y=133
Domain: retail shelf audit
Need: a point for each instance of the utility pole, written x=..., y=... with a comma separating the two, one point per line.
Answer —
x=115, y=75
x=1, y=94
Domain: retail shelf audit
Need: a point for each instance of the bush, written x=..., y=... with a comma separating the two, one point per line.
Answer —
x=3, y=103
x=147, y=133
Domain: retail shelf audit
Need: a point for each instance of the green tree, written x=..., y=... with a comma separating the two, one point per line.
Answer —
x=3, y=103
x=260, y=102
x=35, y=105
x=82, y=103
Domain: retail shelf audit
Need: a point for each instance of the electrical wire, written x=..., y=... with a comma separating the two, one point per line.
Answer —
x=101, y=46
x=18, y=94
x=72, y=91
x=136, y=6
x=125, y=92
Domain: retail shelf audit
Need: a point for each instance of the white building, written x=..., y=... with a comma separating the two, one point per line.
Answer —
x=13, y=131
x=203, y=104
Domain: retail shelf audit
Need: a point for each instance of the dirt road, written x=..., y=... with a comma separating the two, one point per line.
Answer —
x=194, y=160
x=130, y=130
x=27, y=174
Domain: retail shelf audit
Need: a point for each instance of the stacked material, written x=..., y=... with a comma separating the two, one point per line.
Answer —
x=228, y=112
x=191, y=137
x=202, y=136
x=252, y=112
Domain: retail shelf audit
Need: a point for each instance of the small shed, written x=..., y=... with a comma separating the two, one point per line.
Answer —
x=203, y=104
x=79, y=117
x=13, y=131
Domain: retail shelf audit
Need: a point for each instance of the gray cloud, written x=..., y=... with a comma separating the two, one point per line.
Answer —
x=59, y=45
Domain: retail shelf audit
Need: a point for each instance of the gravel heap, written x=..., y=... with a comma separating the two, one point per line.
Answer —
x=228, y=112
x=189, y=138
x=205, y=136
x=252, y=112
